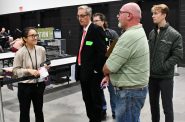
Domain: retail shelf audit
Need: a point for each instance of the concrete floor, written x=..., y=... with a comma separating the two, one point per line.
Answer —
x=64, y=103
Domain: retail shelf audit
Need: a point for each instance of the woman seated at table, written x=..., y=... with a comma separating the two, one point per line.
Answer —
x=16, y=44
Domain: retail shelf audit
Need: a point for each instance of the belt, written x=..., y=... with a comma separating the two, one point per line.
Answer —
x=130, y=88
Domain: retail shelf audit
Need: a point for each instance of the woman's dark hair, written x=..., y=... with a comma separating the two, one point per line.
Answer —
x=26, y=31
x=102, y=18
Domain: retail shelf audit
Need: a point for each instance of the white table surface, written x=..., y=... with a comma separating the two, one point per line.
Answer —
x=63, y=61
x=55, y=62
x=7, y=55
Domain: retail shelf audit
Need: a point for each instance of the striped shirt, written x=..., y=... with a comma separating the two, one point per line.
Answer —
x=129, y=61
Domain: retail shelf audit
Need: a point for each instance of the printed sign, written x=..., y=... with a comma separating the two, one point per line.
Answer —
x=45, y=33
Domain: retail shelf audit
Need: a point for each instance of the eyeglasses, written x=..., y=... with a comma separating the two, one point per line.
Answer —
x=121, y=12
x=34, y=36
x=96, y=20
x=81, y=16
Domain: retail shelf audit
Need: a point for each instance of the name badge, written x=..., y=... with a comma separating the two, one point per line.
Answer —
x=89, y=43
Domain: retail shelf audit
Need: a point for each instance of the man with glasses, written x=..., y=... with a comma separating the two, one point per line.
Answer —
x=100, y=20
x=111, y=35
x=90, y=61
x=128, y=65
x=166, y=50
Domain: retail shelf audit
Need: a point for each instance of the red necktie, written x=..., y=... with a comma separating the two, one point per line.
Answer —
x=81, y=45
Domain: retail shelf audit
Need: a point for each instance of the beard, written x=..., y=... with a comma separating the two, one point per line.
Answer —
x=119, y=25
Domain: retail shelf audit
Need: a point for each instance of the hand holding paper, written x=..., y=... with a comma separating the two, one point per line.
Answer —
x=43, y=73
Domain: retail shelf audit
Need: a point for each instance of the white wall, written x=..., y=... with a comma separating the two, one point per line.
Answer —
x=14, y=6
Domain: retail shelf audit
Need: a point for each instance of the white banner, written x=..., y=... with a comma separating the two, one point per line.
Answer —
x=15, y=6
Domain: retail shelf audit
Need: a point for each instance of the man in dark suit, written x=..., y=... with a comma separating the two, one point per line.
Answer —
x=90, y=61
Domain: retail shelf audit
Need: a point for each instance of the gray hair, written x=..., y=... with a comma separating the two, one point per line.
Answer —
x=87, y=8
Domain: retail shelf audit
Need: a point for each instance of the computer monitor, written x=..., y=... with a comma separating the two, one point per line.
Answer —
x=57, y=34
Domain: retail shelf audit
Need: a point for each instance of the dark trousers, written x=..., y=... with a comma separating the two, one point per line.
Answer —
x=165, y=87
x=91, y=93
x=28, y=92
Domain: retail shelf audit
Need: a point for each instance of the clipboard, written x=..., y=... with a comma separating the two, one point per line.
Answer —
x=111, y=47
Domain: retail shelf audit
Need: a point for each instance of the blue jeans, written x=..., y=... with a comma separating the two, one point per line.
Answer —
x=112, y=99
x=129, y=103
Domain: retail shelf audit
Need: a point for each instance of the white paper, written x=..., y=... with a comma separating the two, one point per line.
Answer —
x=43, y=73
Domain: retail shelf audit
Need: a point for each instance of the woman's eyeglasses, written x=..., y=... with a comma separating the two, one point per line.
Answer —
x=34, y=36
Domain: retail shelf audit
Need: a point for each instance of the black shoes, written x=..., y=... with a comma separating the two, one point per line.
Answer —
x=113, y=116
x=176, y=74
x=103, y=115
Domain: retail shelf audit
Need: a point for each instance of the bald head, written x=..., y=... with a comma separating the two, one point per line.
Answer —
x=129, y=15
x=134, y=9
